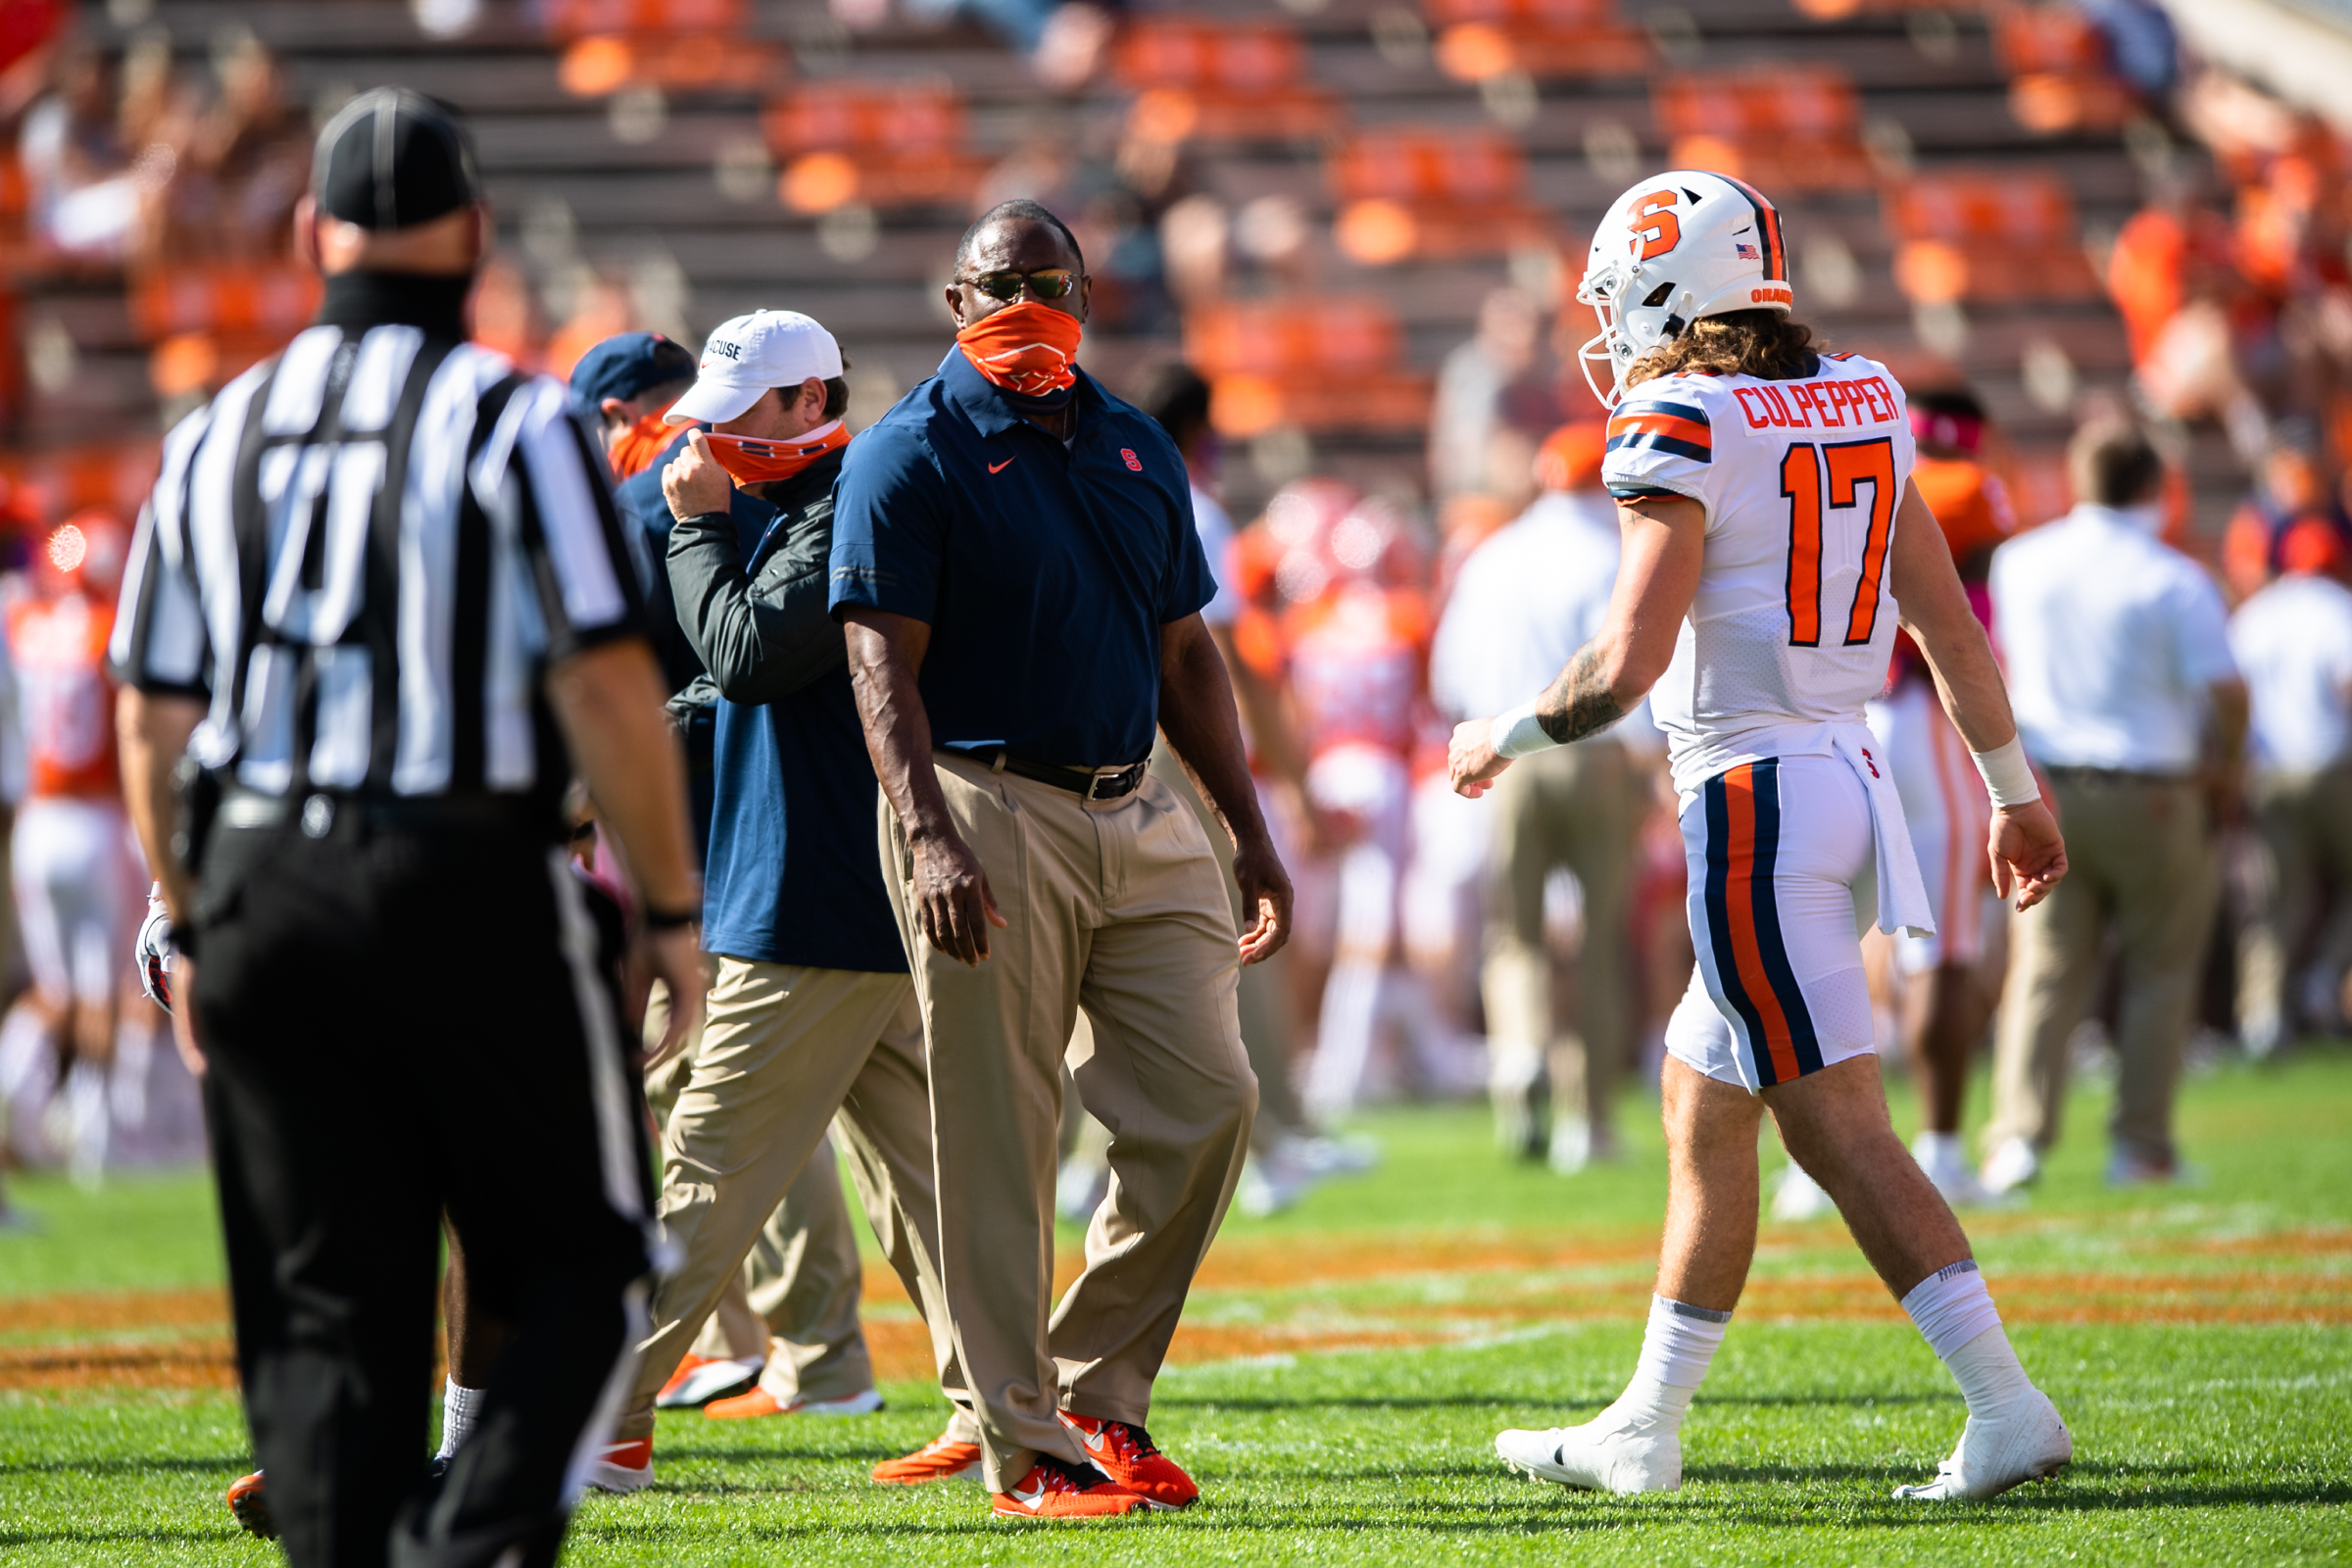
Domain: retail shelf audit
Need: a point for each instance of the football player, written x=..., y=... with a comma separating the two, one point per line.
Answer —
x=1772, y=543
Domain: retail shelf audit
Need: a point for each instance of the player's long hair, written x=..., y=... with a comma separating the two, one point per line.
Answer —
x=1759, y=343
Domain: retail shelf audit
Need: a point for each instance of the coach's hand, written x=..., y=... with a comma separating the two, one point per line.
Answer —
x=694, y=484
x=1266, y=888
x=2029, y=856
x=952, y=897
x=1470, y=760
x=677, y=955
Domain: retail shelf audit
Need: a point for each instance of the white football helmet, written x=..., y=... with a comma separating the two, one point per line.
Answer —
x=1677, y=247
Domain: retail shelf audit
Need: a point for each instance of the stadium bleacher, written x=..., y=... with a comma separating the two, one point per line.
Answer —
x=1950, y=178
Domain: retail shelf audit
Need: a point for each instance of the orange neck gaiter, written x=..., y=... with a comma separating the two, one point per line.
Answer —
x=640, y=445
x=1026, y=348
x=755, y=459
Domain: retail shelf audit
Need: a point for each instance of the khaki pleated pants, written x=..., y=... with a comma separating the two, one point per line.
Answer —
x=1577, y=806
x=795, y=1302
x=2140, y=858
x=1116, y=908
x=783, y=1048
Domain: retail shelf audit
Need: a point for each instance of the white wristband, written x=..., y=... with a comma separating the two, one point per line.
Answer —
x=1519, y=732
x=2008, y=777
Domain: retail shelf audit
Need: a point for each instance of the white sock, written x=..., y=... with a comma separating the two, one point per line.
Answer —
x=1675, y=1348
x=1954, y=1313
x=460, y=1405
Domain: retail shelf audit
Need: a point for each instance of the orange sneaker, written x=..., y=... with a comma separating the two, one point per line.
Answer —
x=623, y=1468
x=939, y=1459
x=700, y=1379
x=249, y=1500
x=762, y=1402
x=1132, y=1460
x=1056, y=1488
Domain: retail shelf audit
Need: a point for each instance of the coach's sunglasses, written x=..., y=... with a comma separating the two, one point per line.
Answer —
x=1050, y=283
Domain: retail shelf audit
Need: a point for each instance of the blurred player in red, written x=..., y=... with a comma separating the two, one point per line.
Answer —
x=1946, y=999
x=1359, y=666
x=77, y=870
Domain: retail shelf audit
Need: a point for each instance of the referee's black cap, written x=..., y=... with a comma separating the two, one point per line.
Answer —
x=393, y=158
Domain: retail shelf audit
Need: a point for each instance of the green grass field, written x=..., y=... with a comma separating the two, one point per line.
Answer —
x=1342, y=1369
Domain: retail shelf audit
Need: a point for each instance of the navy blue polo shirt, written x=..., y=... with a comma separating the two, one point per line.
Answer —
x=1043, y=571
x=794, y=874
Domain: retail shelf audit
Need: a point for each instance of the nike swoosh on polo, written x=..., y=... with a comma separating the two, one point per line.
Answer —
x=999, y=468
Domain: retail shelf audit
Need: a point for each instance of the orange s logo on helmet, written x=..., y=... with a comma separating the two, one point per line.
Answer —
x=1656, y=229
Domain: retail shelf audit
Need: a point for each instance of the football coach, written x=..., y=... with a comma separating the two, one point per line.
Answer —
x=1016, y=567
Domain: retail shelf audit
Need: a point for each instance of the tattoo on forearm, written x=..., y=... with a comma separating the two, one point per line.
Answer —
x=1580, y=701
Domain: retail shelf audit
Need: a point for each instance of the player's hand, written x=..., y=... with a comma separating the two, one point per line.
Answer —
x=694, y=484
x=677, y=955
x=2029, y=856
x=1266, y=888
x=953, y=902
x=1470, y=760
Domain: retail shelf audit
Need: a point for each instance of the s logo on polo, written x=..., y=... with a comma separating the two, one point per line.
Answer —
x=1133, y=462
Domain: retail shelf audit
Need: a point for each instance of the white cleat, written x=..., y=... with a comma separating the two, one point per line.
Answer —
x=2012, y=1165
x=2025, y=1444
x=1799, y=1198
x=622, y=1467
x=1599, y=1455
x=1944, y=1159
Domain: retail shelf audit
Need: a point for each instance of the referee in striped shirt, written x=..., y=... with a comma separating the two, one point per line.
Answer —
x=381, y=602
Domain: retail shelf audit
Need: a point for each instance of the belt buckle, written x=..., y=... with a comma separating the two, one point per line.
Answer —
x=1107, y=777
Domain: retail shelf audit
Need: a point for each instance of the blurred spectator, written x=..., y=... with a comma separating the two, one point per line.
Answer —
x=2294, y=642
x=2290, y=492
x=1474, y=386
x=2142, y=47
x=1525, y=600
x=84, y=199
x=2128, y=700
x=245, y=165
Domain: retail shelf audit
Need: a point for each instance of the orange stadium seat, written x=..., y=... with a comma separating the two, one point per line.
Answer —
x=1218, y=81
x=1989, y=237
x=1477, y=39
x=1788, y=128
x=883, y=144
x=1431, y=194
x=566, y=19
x=1320, y=364
x=672, y=45
x=2057, y=62
x=115, y=474
x=261, y=299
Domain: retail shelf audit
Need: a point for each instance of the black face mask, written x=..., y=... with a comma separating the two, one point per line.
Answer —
x=363, y=299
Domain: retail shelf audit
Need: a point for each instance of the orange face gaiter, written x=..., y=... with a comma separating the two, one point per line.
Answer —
x=756, y=460
x=1026, y=348
x=640, y=445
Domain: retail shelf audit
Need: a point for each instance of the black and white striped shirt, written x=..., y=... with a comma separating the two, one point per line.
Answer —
x=363, y=554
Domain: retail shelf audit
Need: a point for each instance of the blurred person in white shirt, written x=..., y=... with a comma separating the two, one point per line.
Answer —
x=2129, y=699
x=2294, y=642
x=1528, y=598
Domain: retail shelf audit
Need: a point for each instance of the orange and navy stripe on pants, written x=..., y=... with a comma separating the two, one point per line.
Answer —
x=1743, y=922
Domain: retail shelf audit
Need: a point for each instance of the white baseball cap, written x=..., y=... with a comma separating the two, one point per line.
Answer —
x=745, y=357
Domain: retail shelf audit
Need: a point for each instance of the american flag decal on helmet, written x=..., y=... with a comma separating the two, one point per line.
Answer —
x=1746, y=252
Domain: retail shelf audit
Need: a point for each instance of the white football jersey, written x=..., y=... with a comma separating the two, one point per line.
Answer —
x=1794, y=623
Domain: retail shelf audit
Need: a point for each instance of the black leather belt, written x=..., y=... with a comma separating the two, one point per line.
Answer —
x=1087, y=783
x=318, y=812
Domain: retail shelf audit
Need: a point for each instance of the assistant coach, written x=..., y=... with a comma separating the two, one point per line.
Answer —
x=1015, y=558
x=381, y=599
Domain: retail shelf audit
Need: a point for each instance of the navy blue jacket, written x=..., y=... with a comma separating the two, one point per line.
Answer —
x=1043, y=571
x=793, y=873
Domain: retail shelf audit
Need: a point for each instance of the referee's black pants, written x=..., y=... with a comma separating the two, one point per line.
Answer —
x=396, y=1022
